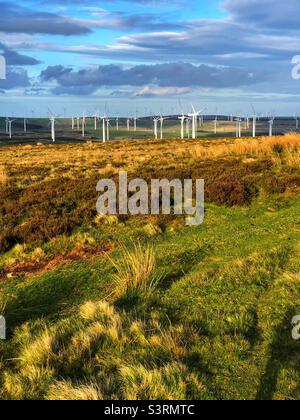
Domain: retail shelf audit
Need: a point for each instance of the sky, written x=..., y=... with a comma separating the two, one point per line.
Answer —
x=127, y=57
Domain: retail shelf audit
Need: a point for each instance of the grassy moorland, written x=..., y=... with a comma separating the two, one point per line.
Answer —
x=144, y=307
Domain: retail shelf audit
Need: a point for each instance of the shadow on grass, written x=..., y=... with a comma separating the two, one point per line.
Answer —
x=51, y=294
x=283, y=353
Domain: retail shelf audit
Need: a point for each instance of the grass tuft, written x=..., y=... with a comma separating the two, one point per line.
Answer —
x=135, y=271
x=65, y=391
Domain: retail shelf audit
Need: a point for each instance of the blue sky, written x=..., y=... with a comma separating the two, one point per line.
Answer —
x=79, y=56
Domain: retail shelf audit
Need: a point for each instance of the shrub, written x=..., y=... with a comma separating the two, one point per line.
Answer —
x=230, y=192
x=274, y=185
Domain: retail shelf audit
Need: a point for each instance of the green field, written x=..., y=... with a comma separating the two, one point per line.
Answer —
x=144, y=307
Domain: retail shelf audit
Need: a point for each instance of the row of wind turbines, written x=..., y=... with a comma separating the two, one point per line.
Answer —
x=189, y=123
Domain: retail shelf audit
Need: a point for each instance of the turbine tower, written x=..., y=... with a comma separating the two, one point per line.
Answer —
x=9, y=128
x=83, y=125
x=161, y=120
x=216, y=125
x=188, y=125
x=182, y=120
x=103, y=129
x=238, y=127
x=254, y=122
x=155, y=121
x=52, y=123
x=271, y=124
x=194, y=115
x=107, y=128
x=25, y=125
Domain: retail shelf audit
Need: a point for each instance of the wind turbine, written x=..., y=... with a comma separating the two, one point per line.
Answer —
x=155, y=121
x=52, y=123
x=194, y=115
x=128, y=124
x=25, y=125
x=297, y=122
x=73, y=123
x=182, y=120
x=9, y=127
x=161, y=120
x=78, y=123
x=107, y=128
x=117, y=123
x=83, y=125
x=254, y=122
x=188, y=124
x=135, y=118
x=238, y=127
x=271, y=124
x=103, y=129
x=6, y=125
x=216, y=125
x=95, y=121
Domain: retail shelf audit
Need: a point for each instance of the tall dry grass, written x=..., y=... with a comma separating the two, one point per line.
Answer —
x=3, y=175
x=249, y=146
x=135, y=270
x=66, y=391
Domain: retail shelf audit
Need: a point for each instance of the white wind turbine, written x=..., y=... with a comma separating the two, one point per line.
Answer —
x=155, y=122
x=107, y=128
x=6, y=125
x=135, y=119
x=73, y=123
x=104, y=128
x=52, y=123
x=254, y=122
x=10, y=128
x=271, y=124
x=117, y=123
x=216, y=125
x=194, y=115
x=128, y=124
x=238, y=127
x=25, y=125
x=78, y=123
x=182, y=121
x=161, y=120
x=188, y=125
x=201, y=121
x=83, y=125
x=95, y=121
x=297, y=122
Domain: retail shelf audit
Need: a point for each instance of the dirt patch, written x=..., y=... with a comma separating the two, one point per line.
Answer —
x=36, y=268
